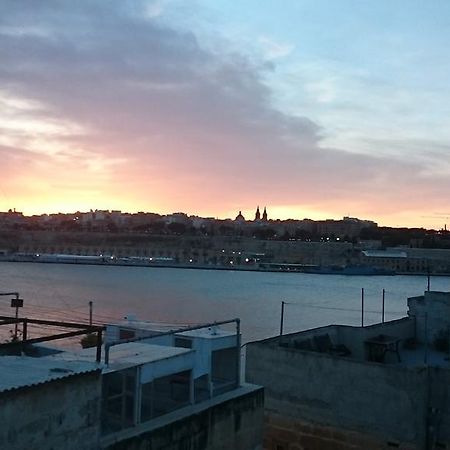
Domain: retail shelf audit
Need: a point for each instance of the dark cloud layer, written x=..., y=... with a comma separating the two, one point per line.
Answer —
x=159, y=112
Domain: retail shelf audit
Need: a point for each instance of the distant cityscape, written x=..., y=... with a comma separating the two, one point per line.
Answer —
x=179, y=223
x=259, y=226
x=347, y=246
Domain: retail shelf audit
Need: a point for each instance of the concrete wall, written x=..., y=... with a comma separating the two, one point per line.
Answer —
x=439, y=408
x=234, y=423
x=432, y=314
x=62, y=414
x=314, y=400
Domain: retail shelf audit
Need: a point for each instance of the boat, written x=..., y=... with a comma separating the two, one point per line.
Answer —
x=326, y=270
x=349, y=270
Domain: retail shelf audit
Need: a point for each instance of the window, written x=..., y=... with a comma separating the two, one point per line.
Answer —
x=164, y=395
x=125, y=334
x=183, y=342
x=118, y=400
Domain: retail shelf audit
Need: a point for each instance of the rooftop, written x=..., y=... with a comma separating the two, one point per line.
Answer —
x=207, y=333
x=22, y=371
x=125, y=355
x=391, y=343
x=135, y=324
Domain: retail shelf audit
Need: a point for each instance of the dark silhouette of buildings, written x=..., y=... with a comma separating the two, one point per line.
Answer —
x=264, y=216
x=257, y=214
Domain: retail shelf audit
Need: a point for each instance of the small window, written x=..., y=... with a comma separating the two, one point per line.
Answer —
x=183, y=342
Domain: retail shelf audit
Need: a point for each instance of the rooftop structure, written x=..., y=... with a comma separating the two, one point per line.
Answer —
x=380, y=386
x=18, y=372
x=154, y=387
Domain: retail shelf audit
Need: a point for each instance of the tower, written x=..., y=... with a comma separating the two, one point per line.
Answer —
x=264, y=216
x=257, y=214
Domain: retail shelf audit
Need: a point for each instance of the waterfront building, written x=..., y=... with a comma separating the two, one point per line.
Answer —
x=377, y=387
x=408, y=260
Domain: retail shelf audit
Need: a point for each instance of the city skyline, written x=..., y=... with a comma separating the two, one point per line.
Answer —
x=320, y=109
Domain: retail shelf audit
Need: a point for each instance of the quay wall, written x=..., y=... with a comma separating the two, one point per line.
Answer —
x=221, y=250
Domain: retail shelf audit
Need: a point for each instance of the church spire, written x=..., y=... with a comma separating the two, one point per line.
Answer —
x=264, y=216
x=257, y=214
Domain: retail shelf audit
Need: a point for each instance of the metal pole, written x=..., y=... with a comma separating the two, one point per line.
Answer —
x=25, y=330
x=90, y=313
x=17, y=316
x=16, y=294
x=98, y=356
x=362, y=307
x=428, y=279
x=24, y=334
x=238, y=350
x=425, y=354
x=108, y=345
x=282, y=318
x=382, y=311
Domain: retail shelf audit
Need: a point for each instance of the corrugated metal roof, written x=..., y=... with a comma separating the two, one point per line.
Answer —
x=17, y=372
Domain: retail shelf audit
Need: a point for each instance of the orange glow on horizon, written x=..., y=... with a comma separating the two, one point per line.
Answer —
x=49, y=205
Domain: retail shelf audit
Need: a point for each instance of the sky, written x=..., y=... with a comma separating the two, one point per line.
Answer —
x=314, y=108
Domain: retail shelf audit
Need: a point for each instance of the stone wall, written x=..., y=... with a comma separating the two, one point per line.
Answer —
x=315, y=400
x=439, y=408
x=62, y=414
x=233, y=424
x=201, y=249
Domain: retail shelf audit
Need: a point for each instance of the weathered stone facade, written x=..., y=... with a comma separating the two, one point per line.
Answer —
x=61, y=414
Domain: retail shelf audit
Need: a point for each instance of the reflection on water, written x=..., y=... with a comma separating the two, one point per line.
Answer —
x=62, y=292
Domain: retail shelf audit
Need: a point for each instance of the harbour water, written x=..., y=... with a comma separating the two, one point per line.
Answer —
x=62, y=292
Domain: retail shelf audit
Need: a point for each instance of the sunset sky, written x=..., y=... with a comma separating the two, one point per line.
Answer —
x=313, y=108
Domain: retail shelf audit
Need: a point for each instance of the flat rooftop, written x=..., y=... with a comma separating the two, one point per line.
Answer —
x=207, y=333
x=422, y=356
x=22, y=371
x=389, y=344
x=124, y=355
x=143, y=325
x=135, y=353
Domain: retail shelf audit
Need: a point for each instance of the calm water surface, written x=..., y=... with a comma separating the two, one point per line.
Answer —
x=62, y=291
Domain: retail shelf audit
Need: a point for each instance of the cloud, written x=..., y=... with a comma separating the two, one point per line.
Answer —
x=146, y=116
x=273, y=49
